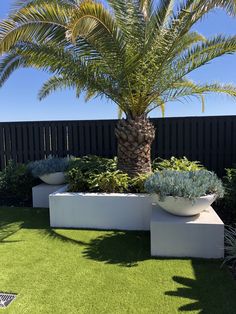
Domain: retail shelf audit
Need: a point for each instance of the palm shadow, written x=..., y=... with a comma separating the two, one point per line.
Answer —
x=13, y=219
x=120, y=247
x=7, y=230
x=212, y=291
x=54, y=235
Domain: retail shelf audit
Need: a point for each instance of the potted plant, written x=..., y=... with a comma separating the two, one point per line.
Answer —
x=50, y=170
x=184, y=193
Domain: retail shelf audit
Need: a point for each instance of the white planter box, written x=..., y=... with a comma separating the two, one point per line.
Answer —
x=100, y=211
x=199, y=236
x=41, y=192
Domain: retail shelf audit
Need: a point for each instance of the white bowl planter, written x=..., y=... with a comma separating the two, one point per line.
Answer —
x=100, y=210
x=55, y=178
x=184, y=207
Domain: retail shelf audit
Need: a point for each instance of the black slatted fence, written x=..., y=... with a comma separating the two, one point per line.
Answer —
x=211, y=140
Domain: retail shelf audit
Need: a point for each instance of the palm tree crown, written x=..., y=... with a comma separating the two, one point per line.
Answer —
x=135, y=52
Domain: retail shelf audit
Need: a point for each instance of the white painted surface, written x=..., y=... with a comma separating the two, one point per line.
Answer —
x=197, y=236
x=100, y=211
x=184, y=207
x=41, y=192
x=56, y=178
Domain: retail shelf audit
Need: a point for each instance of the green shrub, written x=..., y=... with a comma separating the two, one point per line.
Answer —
x=77, y=180
x=16, y=183
x=187, y=184
x=93, y=164
x=136, y=184
x=178, y=164
x=230, y=246
x=230, y=188
x=109, y=182
x=50, y=165
x=82, y=169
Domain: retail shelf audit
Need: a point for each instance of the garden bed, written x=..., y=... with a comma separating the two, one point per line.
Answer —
x=100, y=210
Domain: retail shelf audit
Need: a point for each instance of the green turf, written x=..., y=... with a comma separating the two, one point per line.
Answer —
x=76, y=271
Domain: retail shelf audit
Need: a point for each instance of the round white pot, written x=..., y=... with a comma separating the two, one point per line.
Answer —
x=53, y=178
x=180, y=206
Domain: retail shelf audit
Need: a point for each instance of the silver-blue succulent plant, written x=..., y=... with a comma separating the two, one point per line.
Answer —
x=187, y=184
x=49, y=165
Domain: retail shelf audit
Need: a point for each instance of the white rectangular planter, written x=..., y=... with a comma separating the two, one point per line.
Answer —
x=100, y=211
x=197, y=236
x=41, y=192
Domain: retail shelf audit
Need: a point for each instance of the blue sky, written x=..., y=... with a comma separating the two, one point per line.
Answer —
x=18, y=97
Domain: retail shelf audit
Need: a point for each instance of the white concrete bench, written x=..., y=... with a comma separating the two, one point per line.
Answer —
x=199, y=236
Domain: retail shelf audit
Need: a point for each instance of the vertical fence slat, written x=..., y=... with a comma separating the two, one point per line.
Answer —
x=2, y=149
x=93, y=140
x=99, y=139
x=31, y=148
x=13, y=142
x=60, y=140
x=47, y=129
x=25, y=143
x=19, y=143
x=106, y=139
x=7, y=143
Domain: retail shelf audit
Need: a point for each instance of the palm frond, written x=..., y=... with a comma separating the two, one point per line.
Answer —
x=36, y=23
x=54, y=83
x=134, y=52
x=8, y=64
x=203, y=53
x=93, y=21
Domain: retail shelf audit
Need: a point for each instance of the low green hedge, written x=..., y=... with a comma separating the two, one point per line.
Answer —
x=16, y=184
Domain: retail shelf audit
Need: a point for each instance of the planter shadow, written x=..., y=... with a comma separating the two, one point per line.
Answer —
x=206, y=293
x=120, y=247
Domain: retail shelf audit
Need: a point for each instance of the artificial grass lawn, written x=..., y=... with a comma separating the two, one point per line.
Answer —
x=79, y=271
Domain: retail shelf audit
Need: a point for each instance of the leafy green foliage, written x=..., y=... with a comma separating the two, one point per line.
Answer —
x=109, y=182
x=81, y=169
x=178, y=164
x=187, y=184
x=93, y=164
x=230, y=188
x=230, y=245
x=16, y=184
x=97, y=174
x=50, y=165
x=77, y=180
x=136, y=53
x=136, y=184
x=226, y=208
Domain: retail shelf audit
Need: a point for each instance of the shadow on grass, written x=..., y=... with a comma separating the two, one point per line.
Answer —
x=123, y=248
x=120, y=247
x=12, y=219
x=212, y=291
x=7, y=230
x=57, y=236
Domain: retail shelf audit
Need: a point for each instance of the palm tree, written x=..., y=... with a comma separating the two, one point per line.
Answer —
x=134, y=52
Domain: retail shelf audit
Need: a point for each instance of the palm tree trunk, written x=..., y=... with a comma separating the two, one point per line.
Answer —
x=135, y=137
